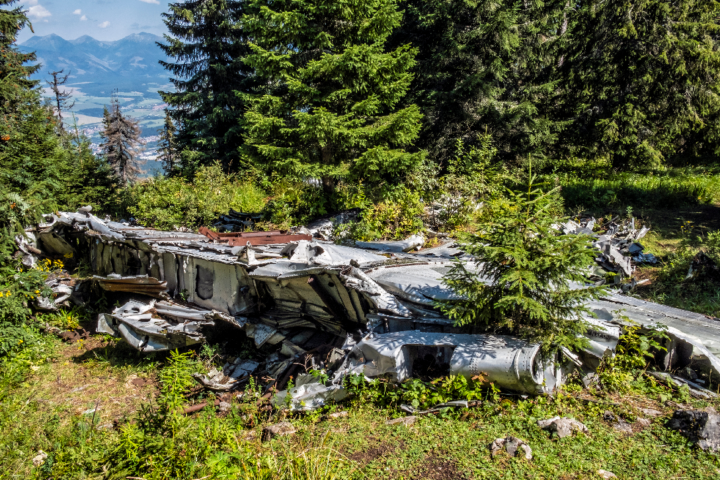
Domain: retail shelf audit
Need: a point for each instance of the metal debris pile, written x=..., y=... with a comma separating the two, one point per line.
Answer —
x=618, y=244
x=309, y=305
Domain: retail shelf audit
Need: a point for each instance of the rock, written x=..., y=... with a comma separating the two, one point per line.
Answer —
x=277, y=430
x=622, y=426
x=407, y=421
x=224, y=407
x=699, y=426
x=605, y=474
x=511, y=445
x=39, y=460
x=340, y=414
x=643, y=422
x=649, y=412
x=618, y=423
x=563, y=426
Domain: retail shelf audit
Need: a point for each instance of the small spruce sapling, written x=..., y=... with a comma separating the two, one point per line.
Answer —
x=521, y=279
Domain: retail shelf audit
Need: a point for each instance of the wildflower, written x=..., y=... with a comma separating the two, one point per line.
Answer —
x=37, y=291
x=68, y=255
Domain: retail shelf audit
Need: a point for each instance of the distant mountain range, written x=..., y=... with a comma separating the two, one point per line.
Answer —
x=129, y=64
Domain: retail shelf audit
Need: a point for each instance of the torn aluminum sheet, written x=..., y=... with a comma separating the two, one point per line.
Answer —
x=618, y=245
x=141, y=284
x=509, y=363
x=309, y=394
x=231, y=376
x=414, y=242
x=694, y=338
x=61, y=293
x=697, y=391
x=138, y=324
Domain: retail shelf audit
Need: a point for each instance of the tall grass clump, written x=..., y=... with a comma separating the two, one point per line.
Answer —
x=169, y=202
x=668, y=190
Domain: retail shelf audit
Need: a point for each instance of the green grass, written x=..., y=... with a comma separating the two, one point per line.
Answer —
x=672, y=189
x=39, y=414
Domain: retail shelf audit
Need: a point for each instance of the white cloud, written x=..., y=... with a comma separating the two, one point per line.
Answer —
x=154, y=2
x=83, y=18
x=104, y=24
x=77, y=12
x=38, y=11
x=32, y=2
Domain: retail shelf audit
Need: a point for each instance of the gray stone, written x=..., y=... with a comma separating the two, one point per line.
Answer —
x=407, y=421
x=39, y=460
x=277, y=430
x=563, y=426
x=699, y=426
x=605, y=474
x=643, y=422
x=649, y=412
x=511, y=445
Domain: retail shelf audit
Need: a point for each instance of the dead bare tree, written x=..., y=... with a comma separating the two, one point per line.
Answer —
x=62, y=97
x=121, y=143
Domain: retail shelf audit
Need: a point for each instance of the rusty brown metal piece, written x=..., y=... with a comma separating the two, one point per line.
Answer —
x=253, y=238
x=142, y=284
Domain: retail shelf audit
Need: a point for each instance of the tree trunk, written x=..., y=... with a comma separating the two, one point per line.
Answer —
x=328, y=183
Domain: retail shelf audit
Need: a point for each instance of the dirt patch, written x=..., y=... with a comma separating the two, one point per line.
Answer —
x=78, y=383
x=436, y=467
x=377, y=450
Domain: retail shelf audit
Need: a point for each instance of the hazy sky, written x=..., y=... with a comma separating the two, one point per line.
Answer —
x=101, y=19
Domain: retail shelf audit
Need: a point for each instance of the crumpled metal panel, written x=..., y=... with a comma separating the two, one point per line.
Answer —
x=510, y=363
x=139, y=326
x=416, y=283
x=409, y=244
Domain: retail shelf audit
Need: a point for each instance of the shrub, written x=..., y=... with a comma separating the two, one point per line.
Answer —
x=520, y=278
x=165, y=203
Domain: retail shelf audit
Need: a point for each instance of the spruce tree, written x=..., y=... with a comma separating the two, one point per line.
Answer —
x=121, y=143
x=641, y=80
x=484, y=66
x=167, y=146
x=207, y=70
x=39, y=171
x=520, y=279
x=329, y=103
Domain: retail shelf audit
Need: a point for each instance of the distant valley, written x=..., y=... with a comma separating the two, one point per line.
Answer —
x=97, y=69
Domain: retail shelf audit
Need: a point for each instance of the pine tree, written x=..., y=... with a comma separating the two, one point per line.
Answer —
x=167, y=147
x=208, y=49
x=329, y=105
x=62, y=97
x=121, y=143
x=641, y=80
x=484, y=67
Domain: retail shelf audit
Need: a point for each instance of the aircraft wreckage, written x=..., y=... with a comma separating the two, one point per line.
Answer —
x=347, y=310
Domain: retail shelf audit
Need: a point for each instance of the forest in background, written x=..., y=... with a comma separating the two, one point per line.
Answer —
x=419, y=116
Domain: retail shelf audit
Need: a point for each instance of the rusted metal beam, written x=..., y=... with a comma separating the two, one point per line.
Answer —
x=253, y=238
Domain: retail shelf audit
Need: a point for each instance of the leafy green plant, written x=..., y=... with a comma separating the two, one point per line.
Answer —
x=520, y=278
x=418, y=393
x=167, y=202
x=635, y=350
x=395, y=218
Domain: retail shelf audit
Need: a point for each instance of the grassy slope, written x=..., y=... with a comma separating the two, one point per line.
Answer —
x=46, y=412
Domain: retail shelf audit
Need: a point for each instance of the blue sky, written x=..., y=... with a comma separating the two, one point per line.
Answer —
x=101, y=19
